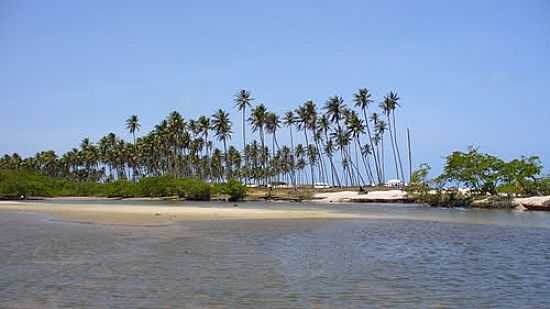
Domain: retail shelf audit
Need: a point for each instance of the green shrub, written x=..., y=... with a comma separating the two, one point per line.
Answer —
x=120, y=188
x=14, y=184
x=193, y=189
x=235, y=190
x=158, y=186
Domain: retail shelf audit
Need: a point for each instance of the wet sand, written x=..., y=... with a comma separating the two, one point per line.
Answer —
x=160, y=215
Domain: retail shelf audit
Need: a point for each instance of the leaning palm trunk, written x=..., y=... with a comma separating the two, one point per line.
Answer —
x=345, y=165
x=376, y=161
x=397, y=147
x=334, y=172
x=365, y=162
x=393, y=146
x=359, y=178
x=322, y=175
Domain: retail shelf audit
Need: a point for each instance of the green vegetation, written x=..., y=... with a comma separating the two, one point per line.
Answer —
x=481, y=175
x=235, y=190
x=14, y=184
x=340, y=144
x=487, y=174
x=193, y=158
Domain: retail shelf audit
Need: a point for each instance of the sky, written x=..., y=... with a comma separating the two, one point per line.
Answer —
x=468, y=72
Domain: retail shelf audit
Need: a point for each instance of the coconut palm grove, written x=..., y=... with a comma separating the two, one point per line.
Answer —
x=332, y=143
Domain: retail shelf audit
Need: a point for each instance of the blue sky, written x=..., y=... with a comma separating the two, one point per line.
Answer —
x=468, y=72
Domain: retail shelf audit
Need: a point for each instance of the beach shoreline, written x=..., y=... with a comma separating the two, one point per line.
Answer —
x=161, y=215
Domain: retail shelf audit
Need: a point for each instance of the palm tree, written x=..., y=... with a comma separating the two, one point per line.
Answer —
x=221, y=124
x=272, y=124
x=380, y=128
x=336, y=110
x=204, y=128
x=174, y=127
x=362, y=99
x=388, y=106
x=342, y=139
x=323, y=128
x=243, y=100
x=258, y=119
x=395, y=99
x=132, y=124
x=305, y=119
x=289, y=120
x=300, y=152
x=357, y=128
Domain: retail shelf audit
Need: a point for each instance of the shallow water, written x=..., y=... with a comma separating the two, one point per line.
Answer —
x=411, y=256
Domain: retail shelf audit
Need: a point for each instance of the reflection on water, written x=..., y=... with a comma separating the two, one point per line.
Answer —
x=503, y=261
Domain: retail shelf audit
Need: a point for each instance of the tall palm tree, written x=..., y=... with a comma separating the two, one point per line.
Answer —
x=342, y=139
x=336, y=109
x=323, y=128
x=380, y=129
x=204, y=128
x=258, y=119
x=221, y=124
x=132, y=124
x=243, y=100
x=306, y=117
x=272, y=124
x=388, y=106
x=174, y=129
x=363, y=99
x=395, y=99
x=289, y=120
x=357, y=128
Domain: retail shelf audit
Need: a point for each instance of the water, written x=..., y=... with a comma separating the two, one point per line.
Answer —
x=410, y=257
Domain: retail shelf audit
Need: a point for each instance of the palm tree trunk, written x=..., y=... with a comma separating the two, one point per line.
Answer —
x=383, y=160
x=334, y=172
x=263, y=155
x=321, y=165
x=371, y=143
x=367, y=166
x=293, y=156
x=244, y=143
x=310, y=165
x=393, y=146
x=397, y=146
x=410, y=156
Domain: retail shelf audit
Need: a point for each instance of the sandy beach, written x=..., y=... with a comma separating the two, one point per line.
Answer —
x=355, y=196
x=159, y=215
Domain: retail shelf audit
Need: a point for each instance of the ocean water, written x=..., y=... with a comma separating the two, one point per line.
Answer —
x=410, y=256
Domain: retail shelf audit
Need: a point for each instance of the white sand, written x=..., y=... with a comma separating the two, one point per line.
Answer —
x=153, y=214
x=351, y=196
